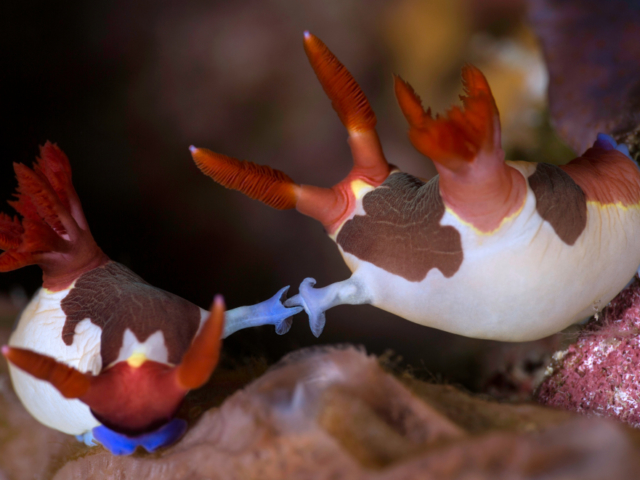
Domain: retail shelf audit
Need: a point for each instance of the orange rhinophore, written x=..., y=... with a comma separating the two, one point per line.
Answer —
x=259, y=182
x=330, y=206
x=347, y=98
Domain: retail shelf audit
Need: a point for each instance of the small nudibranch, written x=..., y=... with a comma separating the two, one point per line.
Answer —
x=98, y=352
x=494, y=249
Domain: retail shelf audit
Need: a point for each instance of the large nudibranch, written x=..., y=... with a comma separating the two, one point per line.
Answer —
x=98, y=352
x=494, y=249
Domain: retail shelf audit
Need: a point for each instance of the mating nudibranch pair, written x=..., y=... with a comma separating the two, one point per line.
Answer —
x=488, y=248
x=99, y=352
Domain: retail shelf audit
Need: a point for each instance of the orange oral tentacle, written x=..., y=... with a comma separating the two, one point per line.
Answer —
x=202, y=357
x=67, y=380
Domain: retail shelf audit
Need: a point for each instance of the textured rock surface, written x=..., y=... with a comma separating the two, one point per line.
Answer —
x=335, y=413
x=598, y=375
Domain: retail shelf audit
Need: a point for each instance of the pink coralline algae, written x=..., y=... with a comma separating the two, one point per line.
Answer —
x=599, y=374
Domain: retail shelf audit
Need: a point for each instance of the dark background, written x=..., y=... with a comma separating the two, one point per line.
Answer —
x=125, y=87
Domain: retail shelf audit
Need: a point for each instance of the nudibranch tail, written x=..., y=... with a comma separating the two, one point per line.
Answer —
x=202, y=357
x=67, y=380
x=260, y=182
x=606, y=174
x=53, y=232
x=462, y=133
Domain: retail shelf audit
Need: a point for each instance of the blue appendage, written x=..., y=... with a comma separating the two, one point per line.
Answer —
x=608, y=143
x=269, y=312
x=87, y=439
x=316, y=301
x=120, y=444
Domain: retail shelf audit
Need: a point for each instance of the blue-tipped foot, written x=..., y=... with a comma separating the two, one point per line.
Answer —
x=269, y=312
x=87, y=439
x=608, y=143
x=120, y=444
x=280, y=316
x=314, y=303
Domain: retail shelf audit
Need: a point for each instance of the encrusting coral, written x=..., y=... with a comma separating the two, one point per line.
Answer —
x=598, y=374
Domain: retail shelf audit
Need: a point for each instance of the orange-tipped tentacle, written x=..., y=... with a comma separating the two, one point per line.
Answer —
x=331, y=206
x=259, y=182
x=202, y=357
x=354, y=110
x=53, y=232
x=347, y=98
x=463, y=133
x=67, y=380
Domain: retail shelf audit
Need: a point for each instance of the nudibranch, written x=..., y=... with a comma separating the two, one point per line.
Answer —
x=98, y=352
x=493, y=249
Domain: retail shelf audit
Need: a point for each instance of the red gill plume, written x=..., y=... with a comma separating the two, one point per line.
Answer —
x=462, y=133
x=53, y=232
